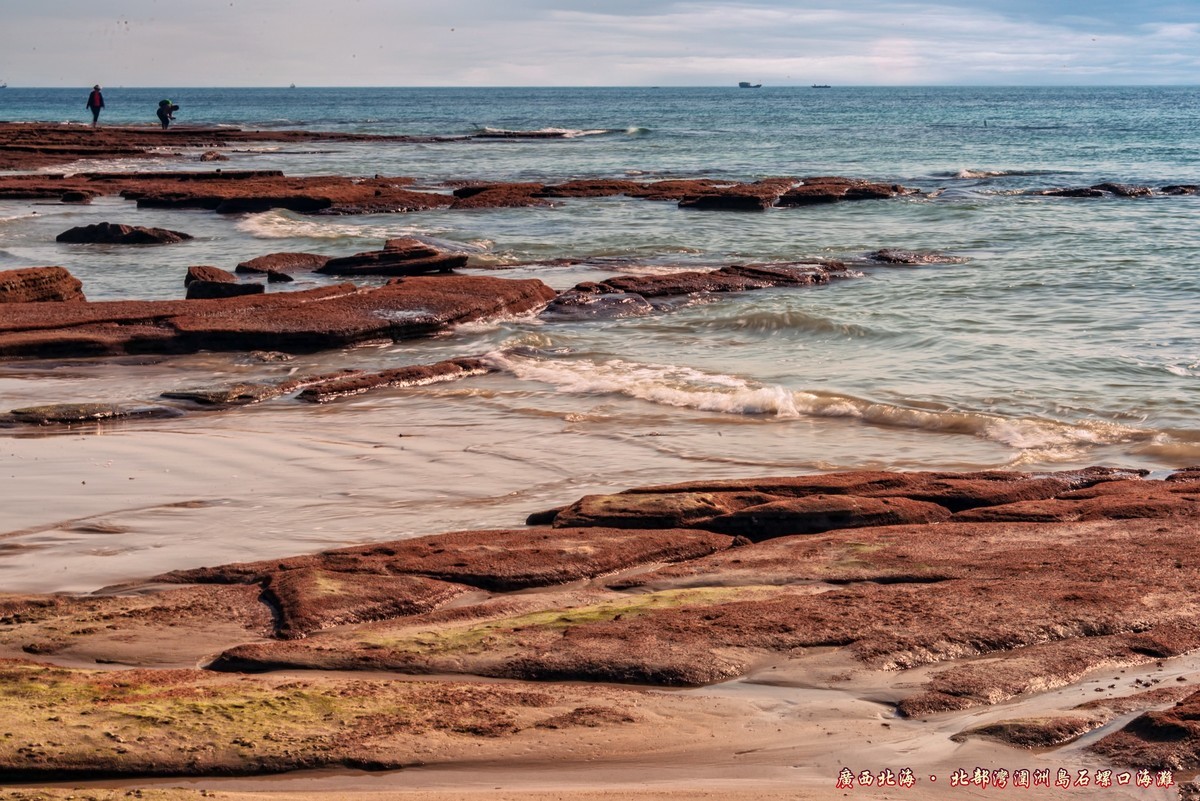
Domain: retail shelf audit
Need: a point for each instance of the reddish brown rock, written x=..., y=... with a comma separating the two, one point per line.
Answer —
x=417, y=259
x=111, y=234
x=494, y=560
x=834, y=189
x=283, y=263
x=758, y=196
x=650, y=510
x=310, y=599
x=1162, y=740
x=212, y=155
x=498, y=196
x=412, y=376
x=818, y=513
x=304, y=321
x=202, y=272
x=39, y=285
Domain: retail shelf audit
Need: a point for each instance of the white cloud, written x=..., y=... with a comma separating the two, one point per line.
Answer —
x=589, y=42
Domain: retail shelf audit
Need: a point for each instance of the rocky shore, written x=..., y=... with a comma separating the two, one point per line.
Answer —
x=1039, y=618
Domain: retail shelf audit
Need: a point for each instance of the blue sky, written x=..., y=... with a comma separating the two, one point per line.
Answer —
x=597, y=43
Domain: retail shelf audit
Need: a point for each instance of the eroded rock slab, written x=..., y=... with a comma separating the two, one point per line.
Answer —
x=39, y=285
x=283, y=263
x=1165, y=740
x=500, y=560
x=304, y=321
x=86, y=724
x=412, y=376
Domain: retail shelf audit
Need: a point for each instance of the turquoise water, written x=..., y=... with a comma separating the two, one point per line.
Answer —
x=1071, y=336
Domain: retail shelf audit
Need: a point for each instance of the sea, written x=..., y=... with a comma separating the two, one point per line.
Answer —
x=1068, y=336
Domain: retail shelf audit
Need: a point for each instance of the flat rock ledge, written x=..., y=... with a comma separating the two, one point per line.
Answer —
x=304, y=321
x=1000, y=585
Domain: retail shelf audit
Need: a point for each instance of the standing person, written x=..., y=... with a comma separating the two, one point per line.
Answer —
x=94, y=104
x=166, y=113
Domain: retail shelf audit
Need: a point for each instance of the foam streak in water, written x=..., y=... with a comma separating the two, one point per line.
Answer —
x=684, y=387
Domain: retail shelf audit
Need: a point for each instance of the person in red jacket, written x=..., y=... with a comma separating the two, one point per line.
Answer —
x=95, y=103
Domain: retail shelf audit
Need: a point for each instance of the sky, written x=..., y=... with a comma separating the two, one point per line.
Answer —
x=184, y=43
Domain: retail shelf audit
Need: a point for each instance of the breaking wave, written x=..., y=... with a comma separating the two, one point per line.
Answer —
x=687, y=388
x=487, y=132
x=281, y=225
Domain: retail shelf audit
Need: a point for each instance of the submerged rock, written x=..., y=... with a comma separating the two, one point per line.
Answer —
x=894, y=256
x=592, y=305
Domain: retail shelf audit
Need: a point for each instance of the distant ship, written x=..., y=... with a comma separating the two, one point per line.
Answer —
x=3, y=85
x=821, y=86
x=748, y=85
x=293, y=86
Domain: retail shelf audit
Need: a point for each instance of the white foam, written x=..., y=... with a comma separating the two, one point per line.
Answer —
x=565, y=133
x=688, y=388
x=281, y=225
x=968, y=173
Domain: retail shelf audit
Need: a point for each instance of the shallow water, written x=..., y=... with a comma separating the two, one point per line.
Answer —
x=1070, y=337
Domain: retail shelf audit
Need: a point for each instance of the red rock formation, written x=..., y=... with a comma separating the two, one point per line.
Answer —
x=212, y=290
x=283, y=263
x=203, y=272
x=494, y=560
x=305, y=321
x=415, y=375
x=38, y=285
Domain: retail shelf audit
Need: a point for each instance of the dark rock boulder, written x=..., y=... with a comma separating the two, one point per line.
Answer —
x=38, y=285
x=283, y=263
x=212, y=290
x=1124, y=190
x=112, y=234
x=404, y=257
x=212, y=155
x=202, y=272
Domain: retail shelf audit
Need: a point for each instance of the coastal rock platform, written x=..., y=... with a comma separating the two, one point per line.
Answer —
x=975, y=590
x=308, y=320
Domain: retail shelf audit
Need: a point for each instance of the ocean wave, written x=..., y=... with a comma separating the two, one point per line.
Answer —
x=684, y=387
x=487, y=132
x=971, y=173
x=281, y=225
